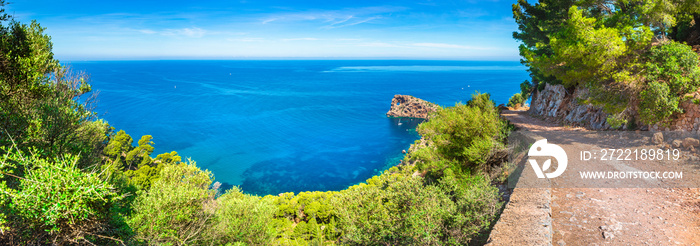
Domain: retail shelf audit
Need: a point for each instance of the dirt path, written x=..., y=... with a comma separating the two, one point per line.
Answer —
x=612, y=216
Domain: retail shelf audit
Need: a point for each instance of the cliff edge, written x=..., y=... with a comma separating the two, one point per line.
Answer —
x=411, y=107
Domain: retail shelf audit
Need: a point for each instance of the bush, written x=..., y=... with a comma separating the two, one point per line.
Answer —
x=482, y=101
x=177, y=207
x=657, y=104
x=671, y=72
x=314, y=213
x=399, y=209
x=242, y=218
x=475, y=207
x=55, y=201
x=675, y=64
x=516, y=100
x=462, y=138
x=395, y=209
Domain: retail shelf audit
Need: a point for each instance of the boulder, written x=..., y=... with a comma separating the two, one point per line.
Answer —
x=658, y=138
x=677, y=143
x=691, y=142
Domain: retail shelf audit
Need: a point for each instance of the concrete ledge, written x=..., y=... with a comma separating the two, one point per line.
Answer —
x=527, y=218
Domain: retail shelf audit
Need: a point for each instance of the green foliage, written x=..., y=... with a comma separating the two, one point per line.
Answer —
x=313, y=209
x=606, y=46
x=475, y=206
x=394, y=210
x=516, y=100
x=671, y=72
x=241, y=218
x=56, y=201
x=537, y=23
x=615, y=122
x=38, y=105
x=463, y=138
x=656, y=103
x=482, y=101
x=521, y=97
x=398, y=209
x=177, y=207
x=140, y=155
x=135, y=162
x=526, y=89
x=675, y=64
x=118, y=146
x=586, y=52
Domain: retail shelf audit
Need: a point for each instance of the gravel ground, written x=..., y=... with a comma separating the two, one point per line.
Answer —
x=594, y=216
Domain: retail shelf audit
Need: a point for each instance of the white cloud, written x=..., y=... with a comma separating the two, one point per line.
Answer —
x=269, y=20
x=147, y=31
x=187, y=32
x=195, y=32
x=348, y=39
x=299, y=39
x=342, y=21
x=247, y=40
x=337, y=18
x=379, y=44
x=451, y=46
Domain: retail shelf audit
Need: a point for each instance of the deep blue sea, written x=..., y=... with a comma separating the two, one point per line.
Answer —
x=285, y=126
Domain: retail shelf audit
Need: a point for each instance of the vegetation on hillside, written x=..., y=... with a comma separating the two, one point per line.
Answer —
x=66, y=177
x=630, y=54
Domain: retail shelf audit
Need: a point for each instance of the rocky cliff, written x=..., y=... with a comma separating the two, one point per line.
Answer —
x=557, y=103
x=411, y=107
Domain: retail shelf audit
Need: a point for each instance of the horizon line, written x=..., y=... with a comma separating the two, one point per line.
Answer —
x=289, y=59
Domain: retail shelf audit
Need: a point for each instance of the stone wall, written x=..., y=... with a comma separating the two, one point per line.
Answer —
x=688, y=121
x=557, y=103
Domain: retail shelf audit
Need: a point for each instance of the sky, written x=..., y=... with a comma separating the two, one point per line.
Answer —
x=248, y=29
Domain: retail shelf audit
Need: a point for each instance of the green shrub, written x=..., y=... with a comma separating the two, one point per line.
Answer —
x=242, y=218
x=464, y=138
x=482, y=101
x=399, y=209
x=475, y=207
x=675, y=64
x=396, y=210
x=671, y=72
x=177, y=207
x=55, y=201
x=516, y=100
x=313, y=209
x=615, y=121
x=657, y=104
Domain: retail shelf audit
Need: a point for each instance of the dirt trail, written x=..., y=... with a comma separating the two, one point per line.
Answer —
x=613, y=216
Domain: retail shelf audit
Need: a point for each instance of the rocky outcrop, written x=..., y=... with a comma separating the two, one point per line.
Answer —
x=411, y=107
x=555, y=102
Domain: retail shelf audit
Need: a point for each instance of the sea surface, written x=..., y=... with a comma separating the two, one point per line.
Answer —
x=278, y=126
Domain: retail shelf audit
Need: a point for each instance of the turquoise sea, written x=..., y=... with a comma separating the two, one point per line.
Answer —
x=275, y=126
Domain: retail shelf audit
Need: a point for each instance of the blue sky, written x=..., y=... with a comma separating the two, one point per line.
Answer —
x=247, y=29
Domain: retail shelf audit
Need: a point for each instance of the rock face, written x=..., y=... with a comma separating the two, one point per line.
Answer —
x=411, y=107
x=554, y=101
